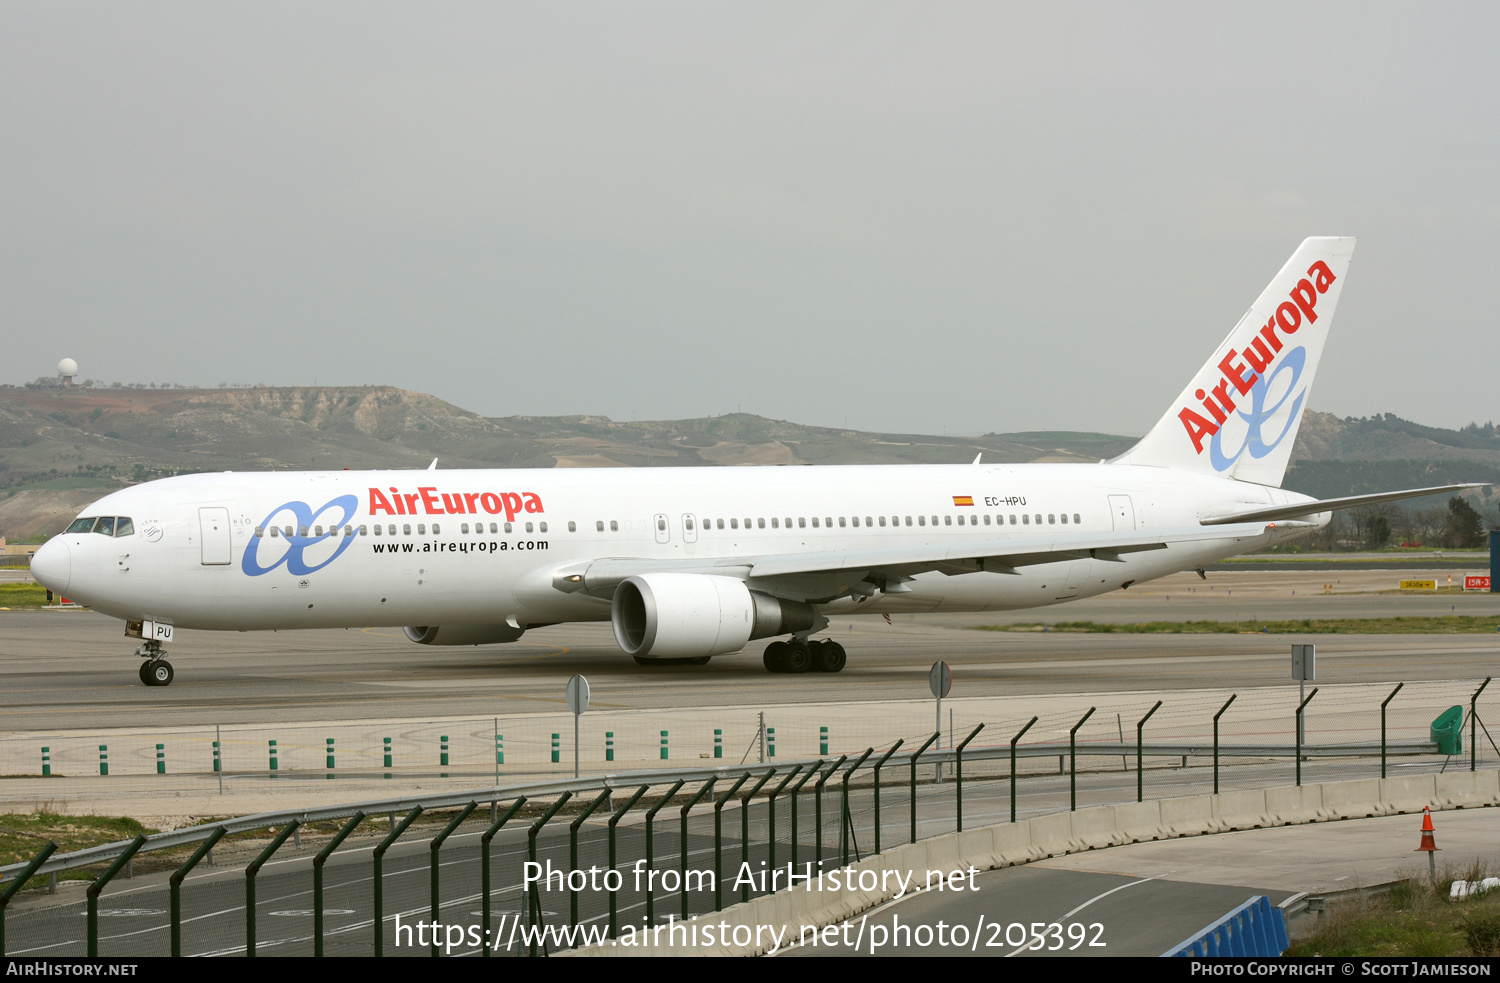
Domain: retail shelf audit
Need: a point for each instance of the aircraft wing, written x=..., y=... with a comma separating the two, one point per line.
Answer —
x=892, y=563
x=1300, y=509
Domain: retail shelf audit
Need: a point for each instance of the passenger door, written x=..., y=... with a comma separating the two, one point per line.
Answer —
x=218, y=547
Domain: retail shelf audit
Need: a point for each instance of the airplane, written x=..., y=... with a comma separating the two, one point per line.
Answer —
x=692, y=563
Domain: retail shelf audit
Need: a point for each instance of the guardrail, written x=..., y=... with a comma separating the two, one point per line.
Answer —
x=1255, y=928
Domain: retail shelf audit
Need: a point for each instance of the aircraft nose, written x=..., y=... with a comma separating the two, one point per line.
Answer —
x=52, y=565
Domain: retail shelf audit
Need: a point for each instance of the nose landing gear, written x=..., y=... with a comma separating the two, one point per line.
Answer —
x=156, y=670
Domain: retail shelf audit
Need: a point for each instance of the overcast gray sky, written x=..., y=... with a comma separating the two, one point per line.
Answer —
x=916, y=217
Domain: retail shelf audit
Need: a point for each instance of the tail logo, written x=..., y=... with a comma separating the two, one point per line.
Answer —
x=1249, y=378
x=1259, y=413
x=299, y=542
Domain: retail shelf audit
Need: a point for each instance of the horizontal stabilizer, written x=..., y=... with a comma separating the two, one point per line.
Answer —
x=1328, y=505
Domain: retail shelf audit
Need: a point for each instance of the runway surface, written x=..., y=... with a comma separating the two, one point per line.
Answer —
x=62, y=671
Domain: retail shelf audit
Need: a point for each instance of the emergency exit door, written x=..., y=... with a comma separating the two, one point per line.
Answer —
x=1121, y=513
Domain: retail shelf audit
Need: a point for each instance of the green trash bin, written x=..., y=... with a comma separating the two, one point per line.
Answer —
x=1448, y=731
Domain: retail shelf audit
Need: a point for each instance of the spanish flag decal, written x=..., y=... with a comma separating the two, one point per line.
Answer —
x=963, y=499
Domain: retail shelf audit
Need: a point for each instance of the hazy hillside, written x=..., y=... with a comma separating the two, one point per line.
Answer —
x=60, y=449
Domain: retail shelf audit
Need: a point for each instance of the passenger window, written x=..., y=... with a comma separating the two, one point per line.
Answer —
x=815, y=522
x=868, y=522
x=721, y=523
x=406, y=530
x=302, y=531
x=123, y=527
x=572, y=526
x=1076, y=520
x=495, y=529
x=661, y=525
x=463, y=527
x=348, y=530
x=1012, y=518
x=986, y=518
x=377, y=530
x=1038, y=518
x=948, y=520
x=828, y=521
x=317, y=530
x=775, y=522
x=364, y=532
x=747, y=523
x=934, y=520
x=760, y=523
x=921, y=520
x=908, y=520
x=528, y=527
x=843, y=523
x=1065, y=518
x=542, y=526
x=1025, y=520
x=260, y=532
x=435, y=530
x=1051, y=519
x=802, y=522
x=422, y=529
x=734, y=523
x=287, y=531
x=882, y=522
x=599, y=526
x=614, y=525
x=391, y=529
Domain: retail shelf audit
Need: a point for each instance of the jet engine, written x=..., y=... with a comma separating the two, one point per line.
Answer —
x=464, y=634
x=689, y=615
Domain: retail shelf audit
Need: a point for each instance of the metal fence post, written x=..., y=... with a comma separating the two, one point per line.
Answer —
x=845, y=823
x=878, y=765
x=958, y=773
x=1383, y=704
x=683, y=816
x=1140, y=782
x=535, y=907
x=812, y=773
x=1216, y=739
x=25, y=875
x=818, y=809
x=718, y=840
x=435, y=846
x=1013, y=741
x=484, y=870
x=318, y=862
x=1473, y=725
x=1302, y=706
x=614, y=819
x=99, y=884
x=650, y=853
x=745, y=827
x=914, y=758
x=1073, y=761
x=379, y=863
x=573, y=852
x=250, y=872
x=175, y=884
x=771, y=821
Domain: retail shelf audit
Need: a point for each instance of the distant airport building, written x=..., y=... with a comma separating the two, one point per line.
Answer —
x=67, y=369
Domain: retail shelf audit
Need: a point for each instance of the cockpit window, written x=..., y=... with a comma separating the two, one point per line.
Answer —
x=81, y=525
x=105, y=525
x=123, y=526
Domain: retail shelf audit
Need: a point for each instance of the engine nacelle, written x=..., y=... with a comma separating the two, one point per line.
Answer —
x=464, y=634
x=690, y=615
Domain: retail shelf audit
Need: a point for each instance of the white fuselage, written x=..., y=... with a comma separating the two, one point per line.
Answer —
x=202, y=553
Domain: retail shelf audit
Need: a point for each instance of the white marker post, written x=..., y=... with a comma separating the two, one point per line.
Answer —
x=578, y=701
x=940, y=681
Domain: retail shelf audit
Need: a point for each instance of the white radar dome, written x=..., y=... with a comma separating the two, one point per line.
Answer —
x=67, y=367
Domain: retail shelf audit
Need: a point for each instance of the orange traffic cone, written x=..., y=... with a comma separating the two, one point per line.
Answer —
x=1429, y=845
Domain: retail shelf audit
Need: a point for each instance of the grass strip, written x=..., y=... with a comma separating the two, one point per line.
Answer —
x=1460, y=624
x=1414, y=918
x=22, y=594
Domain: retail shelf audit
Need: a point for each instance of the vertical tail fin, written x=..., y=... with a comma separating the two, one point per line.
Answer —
x=1239, y=416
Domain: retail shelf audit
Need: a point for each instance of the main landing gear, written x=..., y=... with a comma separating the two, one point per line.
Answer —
x=156, y=670
x=803, y=655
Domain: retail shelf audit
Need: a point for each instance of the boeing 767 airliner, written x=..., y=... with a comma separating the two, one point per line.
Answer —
x=690, y=563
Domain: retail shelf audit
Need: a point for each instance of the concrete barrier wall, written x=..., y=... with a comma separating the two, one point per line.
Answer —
x=1008, y=844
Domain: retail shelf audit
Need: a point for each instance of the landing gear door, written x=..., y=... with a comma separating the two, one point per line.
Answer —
x=1122, y=513
x=218, y=547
